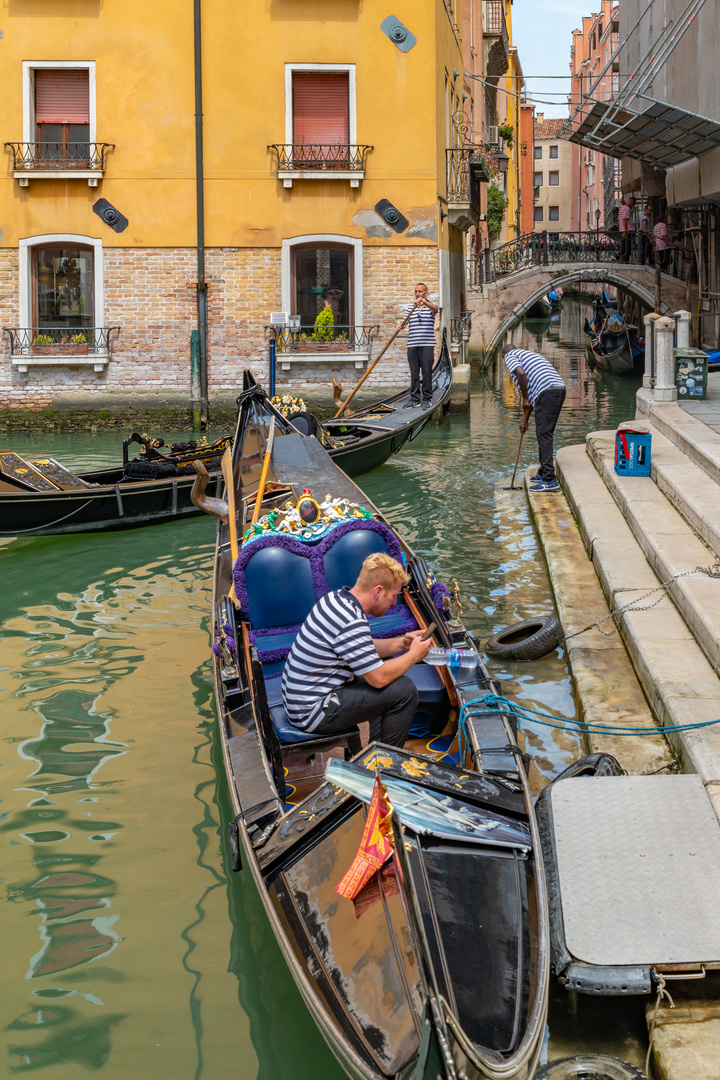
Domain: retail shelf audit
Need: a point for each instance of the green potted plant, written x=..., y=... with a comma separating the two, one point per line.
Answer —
x=506, y=132
x=324, y=324
x=44, y=344
x=76, y=343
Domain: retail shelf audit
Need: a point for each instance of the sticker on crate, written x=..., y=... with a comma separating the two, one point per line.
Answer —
x=632, y=450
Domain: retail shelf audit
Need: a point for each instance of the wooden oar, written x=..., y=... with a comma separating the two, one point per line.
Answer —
x=227, y=471
x=263, y=474
x=228, y=477
x=379, y=357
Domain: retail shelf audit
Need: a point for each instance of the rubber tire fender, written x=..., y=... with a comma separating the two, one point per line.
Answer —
x=590, y=1067
x=234, y=847
x=592, y=765
x=527, y=640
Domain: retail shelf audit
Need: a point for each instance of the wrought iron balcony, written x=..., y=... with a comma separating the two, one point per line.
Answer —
x=321, y=161
x=335, y=339
x=466, y=171
x=36, y=345
x=85, y=160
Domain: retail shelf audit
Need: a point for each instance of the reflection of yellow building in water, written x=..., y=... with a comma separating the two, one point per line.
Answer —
x=326, y=130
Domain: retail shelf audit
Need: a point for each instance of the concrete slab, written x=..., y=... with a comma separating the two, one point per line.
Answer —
x=605, y=683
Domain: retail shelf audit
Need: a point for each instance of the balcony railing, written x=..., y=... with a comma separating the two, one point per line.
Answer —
x=63, y=157
x=298, y=157
x=30, y=341
x=335, y=339
x=466, y=170
x=494, y=19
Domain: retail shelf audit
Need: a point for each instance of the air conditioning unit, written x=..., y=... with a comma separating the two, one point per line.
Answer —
x=492, y=137
x=278, y=318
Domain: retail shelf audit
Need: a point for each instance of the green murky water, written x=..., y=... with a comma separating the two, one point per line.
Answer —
x=129, y=949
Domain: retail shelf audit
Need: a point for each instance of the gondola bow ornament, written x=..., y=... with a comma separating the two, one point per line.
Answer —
x=375, y=844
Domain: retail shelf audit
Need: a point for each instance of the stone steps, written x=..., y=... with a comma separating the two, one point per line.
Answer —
x=668, y=542
x=679, y=681
x=607, y=689
x=687, y=431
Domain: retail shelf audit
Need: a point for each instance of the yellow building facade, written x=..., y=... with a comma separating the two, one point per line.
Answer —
x=326, y=127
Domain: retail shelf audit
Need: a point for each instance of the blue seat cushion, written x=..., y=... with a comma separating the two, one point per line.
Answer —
x=279, y=589
x=288, y=734
x=345, y=548
x=430, y=687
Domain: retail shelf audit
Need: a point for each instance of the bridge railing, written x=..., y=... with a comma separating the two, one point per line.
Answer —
x=542, y=249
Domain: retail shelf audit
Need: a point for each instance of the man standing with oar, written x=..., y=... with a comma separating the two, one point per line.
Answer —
x=543, y=391
x=421, y=346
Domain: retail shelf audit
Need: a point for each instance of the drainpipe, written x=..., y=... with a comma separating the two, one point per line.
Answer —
x=200, y=393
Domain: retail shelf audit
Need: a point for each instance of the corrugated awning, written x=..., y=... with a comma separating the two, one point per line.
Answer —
x=662, y=135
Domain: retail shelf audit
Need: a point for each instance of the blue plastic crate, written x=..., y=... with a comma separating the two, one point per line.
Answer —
x=632, y=452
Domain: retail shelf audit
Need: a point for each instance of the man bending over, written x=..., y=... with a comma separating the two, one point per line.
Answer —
x=337, y=675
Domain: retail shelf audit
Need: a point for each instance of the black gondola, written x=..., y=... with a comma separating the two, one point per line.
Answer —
x=41, y=496
x=439, y=968
x=613, y=345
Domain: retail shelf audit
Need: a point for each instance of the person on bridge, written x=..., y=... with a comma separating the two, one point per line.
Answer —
x=544, y=392
x=626, y=224
x=660, y=242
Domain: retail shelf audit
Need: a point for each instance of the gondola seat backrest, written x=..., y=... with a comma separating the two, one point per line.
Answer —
x=278, y=579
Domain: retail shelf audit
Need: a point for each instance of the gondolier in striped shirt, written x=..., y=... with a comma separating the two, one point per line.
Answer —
x=337, y=676
x=420, y=346
x=543, y=392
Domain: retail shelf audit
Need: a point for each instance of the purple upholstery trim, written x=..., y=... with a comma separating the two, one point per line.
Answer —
x=437, y=592
x=353, y=525
x=315, y=554
x=229, y=640
x=275, y=541
x=270, y=656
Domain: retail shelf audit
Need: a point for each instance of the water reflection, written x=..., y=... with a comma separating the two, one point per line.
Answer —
x=128, y=945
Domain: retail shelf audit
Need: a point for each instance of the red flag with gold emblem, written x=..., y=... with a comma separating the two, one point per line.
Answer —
x=375, y=844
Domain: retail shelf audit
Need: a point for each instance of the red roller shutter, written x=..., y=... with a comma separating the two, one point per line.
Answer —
x=320, y=108
x=62, y=96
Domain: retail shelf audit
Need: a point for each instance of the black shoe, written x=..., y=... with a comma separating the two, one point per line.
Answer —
x=427, y=404
x=411, y=405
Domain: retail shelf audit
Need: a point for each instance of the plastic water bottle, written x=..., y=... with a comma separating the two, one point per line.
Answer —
x=458, y=659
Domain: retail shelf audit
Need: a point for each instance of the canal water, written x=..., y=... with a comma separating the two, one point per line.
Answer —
x=129, y=948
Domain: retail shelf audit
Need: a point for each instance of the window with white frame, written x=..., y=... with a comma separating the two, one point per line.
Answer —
x=61, y=284
x=538, y=213
x=553, y=213
x=320, y=119
x=59, y=112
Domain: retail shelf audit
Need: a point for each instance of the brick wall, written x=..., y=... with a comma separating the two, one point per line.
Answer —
x=150, y=295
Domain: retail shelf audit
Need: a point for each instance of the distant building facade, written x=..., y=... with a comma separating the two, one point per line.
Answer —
x=552, y=177
x=596, y=191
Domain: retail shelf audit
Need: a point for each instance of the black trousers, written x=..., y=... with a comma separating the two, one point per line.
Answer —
x=420, y=358
x=627, y=243
x=645, y=251
x=389, y=711
x=547, y=410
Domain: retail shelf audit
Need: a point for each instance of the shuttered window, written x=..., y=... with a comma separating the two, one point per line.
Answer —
x=321, y=112
x=62, y=96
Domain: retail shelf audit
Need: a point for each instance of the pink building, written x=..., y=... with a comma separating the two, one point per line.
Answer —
x=596, y=192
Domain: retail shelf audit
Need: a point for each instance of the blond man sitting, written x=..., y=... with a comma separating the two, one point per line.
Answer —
x=337, y=675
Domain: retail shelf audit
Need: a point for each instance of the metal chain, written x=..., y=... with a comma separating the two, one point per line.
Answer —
x=712, y=571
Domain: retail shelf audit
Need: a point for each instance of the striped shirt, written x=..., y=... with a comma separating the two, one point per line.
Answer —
x=421, y=328
x=626, y=215
x=660, y=235
x=333, y=646
x=540, y=373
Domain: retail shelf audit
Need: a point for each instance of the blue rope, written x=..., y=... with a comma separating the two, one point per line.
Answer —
x=524, y=712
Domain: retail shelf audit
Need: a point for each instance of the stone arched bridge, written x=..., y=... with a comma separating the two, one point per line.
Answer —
x=499, y=305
